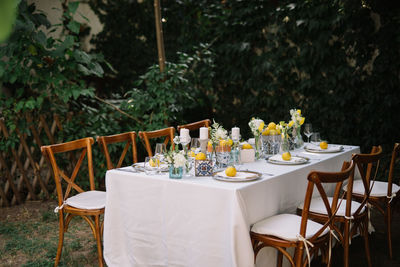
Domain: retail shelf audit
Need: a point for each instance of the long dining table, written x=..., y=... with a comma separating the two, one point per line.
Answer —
x=151, y=220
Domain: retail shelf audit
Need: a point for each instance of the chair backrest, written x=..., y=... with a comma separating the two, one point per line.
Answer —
x=130, y=141
x=168, y=133
x=195, y=125
x=395, y=157
x=318, y=179
x=368, y=165
x=85, y=147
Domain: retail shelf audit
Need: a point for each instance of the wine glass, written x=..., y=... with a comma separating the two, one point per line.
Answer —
x=308, y=131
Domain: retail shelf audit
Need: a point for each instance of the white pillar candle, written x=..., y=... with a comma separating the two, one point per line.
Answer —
x=235, y=133
x=203, y=133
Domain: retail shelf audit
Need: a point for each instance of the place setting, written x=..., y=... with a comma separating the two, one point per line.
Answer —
x=317, y=145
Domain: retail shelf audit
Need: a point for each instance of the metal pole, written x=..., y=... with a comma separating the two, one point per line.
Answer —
x=159, y=35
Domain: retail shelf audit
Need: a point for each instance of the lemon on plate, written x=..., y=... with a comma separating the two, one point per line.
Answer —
x=246, y=146
x=323, y=145
x=230, y=171
x=200, y=156
x=286, y=156
x=154, y=162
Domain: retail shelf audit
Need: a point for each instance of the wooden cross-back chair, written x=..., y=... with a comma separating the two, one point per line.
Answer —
x=145, y=136
x=87, y=204
x=130, y=141
x=380, y=194
x=289, y=230
x=195, y=125
x=351, y=216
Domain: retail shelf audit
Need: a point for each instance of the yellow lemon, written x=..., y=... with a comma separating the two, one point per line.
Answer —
x=286, y=156
x=230, y=142
x=209, y=143
x=230, y=171
x=323, y=145
x=200, y=156
x=271, y=125
x=273, y=132
x=278, y=131
x=266, y=132
x=154, y=162
x=290, y=123
x=222, y=142
x=247, y=146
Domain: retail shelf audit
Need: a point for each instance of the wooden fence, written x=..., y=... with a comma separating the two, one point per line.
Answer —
x=24, y=174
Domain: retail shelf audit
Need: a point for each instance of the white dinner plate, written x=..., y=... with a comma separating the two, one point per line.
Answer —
x=241, y=176
x=294, y=160
x=316, y=149
x=140, y=167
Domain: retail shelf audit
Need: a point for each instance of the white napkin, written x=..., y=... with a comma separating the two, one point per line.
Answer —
x=239, y=175
x=318, y=148
x=293, y=159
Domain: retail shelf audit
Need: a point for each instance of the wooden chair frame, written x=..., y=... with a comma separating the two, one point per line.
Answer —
x=314, y=179
x=129, y=138
x=65, y=212
x=382, y=203
x=168, y=133
x=195, y=125
x=345, y=226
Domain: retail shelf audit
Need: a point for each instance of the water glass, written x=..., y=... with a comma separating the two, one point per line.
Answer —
x=195, y=145
x=148, y=169
x=315, y=138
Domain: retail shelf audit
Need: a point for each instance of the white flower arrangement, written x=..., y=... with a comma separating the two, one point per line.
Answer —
x=217, y=133
x=176, y=158
x=256, y=126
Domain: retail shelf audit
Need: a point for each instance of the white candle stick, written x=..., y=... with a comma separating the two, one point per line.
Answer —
x=203, y=133
x=235, y=133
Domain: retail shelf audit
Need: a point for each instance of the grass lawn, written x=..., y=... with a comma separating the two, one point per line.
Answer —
x=29, y=237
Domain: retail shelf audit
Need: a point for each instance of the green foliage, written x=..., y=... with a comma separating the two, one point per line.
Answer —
x=40, y=72
x=160, y=98
x=7, y=17
x=337, y=61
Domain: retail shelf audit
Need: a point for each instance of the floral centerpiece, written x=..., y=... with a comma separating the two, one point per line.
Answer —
x=257, y=127
x=176, y=161
x=219, y=144
x=287, y=143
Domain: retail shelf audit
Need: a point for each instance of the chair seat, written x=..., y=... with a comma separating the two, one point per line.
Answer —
x=318, y=206
x=379, y=188
x=286, y=226
x=88, y=200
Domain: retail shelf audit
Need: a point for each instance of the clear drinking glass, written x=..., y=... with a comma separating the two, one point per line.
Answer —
x=195, y=145
x=150, y=165
x=308, y=131
x=315, y=138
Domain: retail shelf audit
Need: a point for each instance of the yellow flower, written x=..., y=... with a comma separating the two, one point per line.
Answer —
x=299, y=112
x=301, y=121
x=291, y=124
x=261, y=127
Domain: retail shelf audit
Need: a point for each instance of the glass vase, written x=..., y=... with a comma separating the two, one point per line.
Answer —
x=297, y=138
x=175, y=173
x=258, y=150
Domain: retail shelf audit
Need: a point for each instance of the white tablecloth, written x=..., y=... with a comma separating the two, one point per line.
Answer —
x=199, y=221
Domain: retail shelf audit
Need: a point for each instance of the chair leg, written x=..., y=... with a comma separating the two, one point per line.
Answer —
x=388, y=216
x=346, y=240
x=61, y=231
x=366, y=242
x=98, y=240
x=279, y=259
